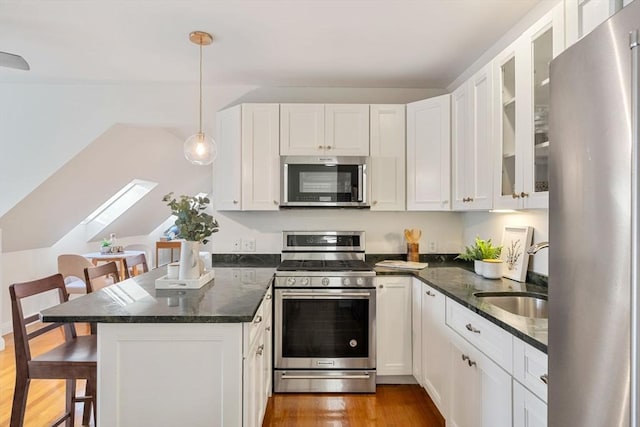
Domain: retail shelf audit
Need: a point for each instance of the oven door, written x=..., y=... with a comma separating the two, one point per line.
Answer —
x=325, y=328
x=331, y=181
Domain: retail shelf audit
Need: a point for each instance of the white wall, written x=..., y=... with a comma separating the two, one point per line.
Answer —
x=489, y=225
x=384, y=230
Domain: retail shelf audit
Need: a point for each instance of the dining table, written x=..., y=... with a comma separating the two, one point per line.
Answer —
x=118, y=257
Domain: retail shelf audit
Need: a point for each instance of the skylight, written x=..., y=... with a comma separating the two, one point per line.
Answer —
x=110, y=210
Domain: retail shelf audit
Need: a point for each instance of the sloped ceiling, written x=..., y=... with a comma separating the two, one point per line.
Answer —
x=311, y=43
x=119, y=155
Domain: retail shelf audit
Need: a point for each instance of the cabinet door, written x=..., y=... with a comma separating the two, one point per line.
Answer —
x=435, y=347
x=544, y=41
x=260, y=157
x=416, y=329
x=346, y=129
x=301, y=129
x=479, y=178
x=227, y=171
x=429, y=154
x=387, y=157
x=528, y=410
x=460, y=142
x=471, y=142
x=393, y=325
x=481, y=390
x=253, y=384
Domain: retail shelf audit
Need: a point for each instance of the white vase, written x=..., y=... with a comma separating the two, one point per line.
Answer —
x=189, y=256
x=492, y=268
x=478, y=266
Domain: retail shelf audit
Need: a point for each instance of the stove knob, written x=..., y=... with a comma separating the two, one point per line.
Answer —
x=346, y=281
x=291, y=281
x=304, y=281
x=359, y=281
x=325, y=281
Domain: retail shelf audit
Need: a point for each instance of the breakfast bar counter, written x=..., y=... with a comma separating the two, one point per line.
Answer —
x=169, y=357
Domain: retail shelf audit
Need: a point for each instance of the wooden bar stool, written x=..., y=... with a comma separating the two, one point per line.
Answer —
x=72, y=360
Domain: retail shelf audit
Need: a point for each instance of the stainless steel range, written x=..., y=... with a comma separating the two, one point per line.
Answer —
x=325, y=305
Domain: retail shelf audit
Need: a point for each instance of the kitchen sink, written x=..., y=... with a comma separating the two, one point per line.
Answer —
x=527, y=304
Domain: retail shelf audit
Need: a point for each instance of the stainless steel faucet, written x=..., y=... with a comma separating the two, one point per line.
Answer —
x=535, y=248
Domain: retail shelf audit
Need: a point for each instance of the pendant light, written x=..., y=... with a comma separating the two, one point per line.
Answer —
x=200, y=149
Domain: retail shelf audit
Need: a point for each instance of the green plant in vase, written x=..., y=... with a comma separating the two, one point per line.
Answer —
x=481, y=249
x=195, y=225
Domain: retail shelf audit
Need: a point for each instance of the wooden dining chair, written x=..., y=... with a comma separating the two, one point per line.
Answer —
x=74, y=359
x=100, y=276
x=131, y=264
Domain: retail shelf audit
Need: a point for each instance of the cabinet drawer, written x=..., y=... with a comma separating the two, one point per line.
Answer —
x=530, y=367
x=492, y=340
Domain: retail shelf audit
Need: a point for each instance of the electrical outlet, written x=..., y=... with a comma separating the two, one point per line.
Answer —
x=248, y=245
x=237, y=245
x=433, y=246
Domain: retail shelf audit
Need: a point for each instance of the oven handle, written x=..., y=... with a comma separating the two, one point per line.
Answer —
x=330, y=295
x=331, y=377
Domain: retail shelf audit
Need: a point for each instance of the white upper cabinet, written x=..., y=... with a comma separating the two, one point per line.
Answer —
x=247, y=169
x=582, y=16
x=301, y=129
x=346, y=129
x=521, y=74
x=471, y=141
x=429, y=154
x=387, y=143
x=319, y=129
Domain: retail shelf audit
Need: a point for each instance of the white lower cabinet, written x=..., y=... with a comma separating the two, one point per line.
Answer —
x=393, y=325
x=480, y=390
x=435, y=347
x=528, y=410
x=257, y=365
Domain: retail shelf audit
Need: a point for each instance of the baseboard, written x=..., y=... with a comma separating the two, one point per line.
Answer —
x=1, y=343
x=395, y=379
x=6, y=328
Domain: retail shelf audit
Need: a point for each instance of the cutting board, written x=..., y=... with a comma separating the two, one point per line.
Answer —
x=405, y=265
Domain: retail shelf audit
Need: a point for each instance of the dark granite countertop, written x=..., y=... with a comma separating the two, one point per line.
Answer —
x=460, y=285
x=232, y=297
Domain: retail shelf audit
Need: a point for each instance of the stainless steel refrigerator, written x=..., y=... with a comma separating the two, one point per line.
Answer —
x=593, y=232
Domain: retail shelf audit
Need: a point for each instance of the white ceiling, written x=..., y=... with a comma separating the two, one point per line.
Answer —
x=341, y=43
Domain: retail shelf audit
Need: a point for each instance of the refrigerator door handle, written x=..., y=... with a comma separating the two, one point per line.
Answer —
x=634, y=39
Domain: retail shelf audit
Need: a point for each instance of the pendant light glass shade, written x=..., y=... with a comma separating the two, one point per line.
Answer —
x=200, y=149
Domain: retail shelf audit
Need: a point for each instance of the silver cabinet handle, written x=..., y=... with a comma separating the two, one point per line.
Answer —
x=328, y=147
x=471, y=328
x=268, y=296
x=260, y=350
x=268, y=328
x=235, y=202
x=381, y=286
x=523, y=194
x=431, y=294
x=515, y=196
x=275, y=202
x=375, y=202
x=467, y=359
x=320, y=147
x=258, y=319
x=544, y=378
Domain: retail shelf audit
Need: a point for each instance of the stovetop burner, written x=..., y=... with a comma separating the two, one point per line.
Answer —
x=323, y=265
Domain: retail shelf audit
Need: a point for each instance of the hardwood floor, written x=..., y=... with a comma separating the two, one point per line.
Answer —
x=391, y=406
x=46, y=397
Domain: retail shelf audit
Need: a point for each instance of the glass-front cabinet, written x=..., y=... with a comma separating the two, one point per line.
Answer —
x=522, y=87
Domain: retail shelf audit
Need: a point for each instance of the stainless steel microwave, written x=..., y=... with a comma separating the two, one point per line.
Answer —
x=324, y=181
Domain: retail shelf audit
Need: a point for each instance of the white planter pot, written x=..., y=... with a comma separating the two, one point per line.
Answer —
x=189, y=257
x=492, y=269
x=478, y=266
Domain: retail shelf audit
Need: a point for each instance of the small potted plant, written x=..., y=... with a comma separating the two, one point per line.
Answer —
x=479, y=251
x=105, y=246
x=195, y=226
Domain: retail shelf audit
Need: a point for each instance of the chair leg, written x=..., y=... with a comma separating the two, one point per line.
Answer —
x=19, y=407
x=88, y=391
x=70, y=402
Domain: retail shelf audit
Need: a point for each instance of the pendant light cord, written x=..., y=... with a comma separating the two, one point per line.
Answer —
x=200, y=122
